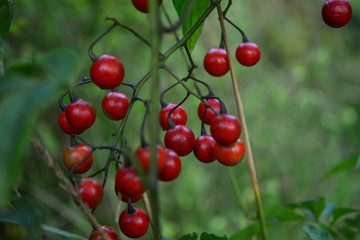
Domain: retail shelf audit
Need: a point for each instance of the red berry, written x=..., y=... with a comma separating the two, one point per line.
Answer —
x=216, y=62
x=143, y=155
x=74, y=155
x=248, y=54
x=180, y=139
x=125, y=198
x=210, y=114
x=80, y=114
x=143, y=5
x=336, y=13
x=110, y=232
x=91, y=192
x=225, y=129
x=178, y=116
x=66, y=127
x=133, y=224
x=230, y=155
x=172, y=166
x=115, y=105
x=107, y=72
x=204, y=149
x=127, y=182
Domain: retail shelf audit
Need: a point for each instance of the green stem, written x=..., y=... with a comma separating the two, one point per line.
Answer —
x=2, y=70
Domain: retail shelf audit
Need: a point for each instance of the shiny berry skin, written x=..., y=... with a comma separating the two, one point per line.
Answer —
x=210, y=114
x=204, y=149
x=128, y=182
x=180, y=139
x=107, y=72
x=336, y=13
x=230, y=155
x=125, y=198
x=74, y=155
x=216, y=62
x=80, y=114
x=91, y=192
x=115, y=105
x=133, y=224
x=142, y=5
x=248, y=54
x=225, y=129
x=110, y=232
x=143, y=155
x=172, y=166
x=66, y=127
x=178, y=116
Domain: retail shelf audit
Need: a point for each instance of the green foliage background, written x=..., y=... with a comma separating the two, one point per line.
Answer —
x=302, y=103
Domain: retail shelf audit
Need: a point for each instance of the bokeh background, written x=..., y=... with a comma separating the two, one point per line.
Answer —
x=302, y=104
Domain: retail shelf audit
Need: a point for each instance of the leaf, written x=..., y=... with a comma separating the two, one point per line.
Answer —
x=198, y=9
x=316, y=233
x=329, y=209
x=281, y=213
x=247, y=232
x=5, y=17
x=350, y=163
x=61, y=232
x=316, y=206
x=339, y=212
x=192, y=236
x=207, y=236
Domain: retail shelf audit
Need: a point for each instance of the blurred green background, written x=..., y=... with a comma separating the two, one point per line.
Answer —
x=302, y=104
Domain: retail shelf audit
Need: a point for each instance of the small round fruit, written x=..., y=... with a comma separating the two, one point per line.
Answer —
x=172, y=166
x=66, y=127
x=180, y=139
x=230, y=155
x=127, y=182
x=143, y=155
x=210, y=114
x=80, y=114
x=336, y=13
x=178, y=116
x=74, y=155
x=125, y=198
x=204, y=149
x=115, y=105
x=248, y=54
x=107, y=72
x=216, y=62
x=110, y=233
x=225, y=129
x=143, y=5
x=133, y=224
x=91, y=192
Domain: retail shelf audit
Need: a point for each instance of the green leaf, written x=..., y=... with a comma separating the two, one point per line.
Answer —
x=350, y=163
x=207, y=236
x=316, y=233
x=192, y=236
x=247, y=232
x=316, y=206
x=61, y=232
x=5, y=17
x=281, y=213
x=339, y=212
x=198, y=9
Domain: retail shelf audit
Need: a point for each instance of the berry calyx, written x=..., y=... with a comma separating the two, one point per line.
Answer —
x=336, y=13
x=172, y=167
x=66, y=127
x=143, y=5
x=225, y=129
x=74, y=155
x=143, y=155
x=204, y=149
x=178, y=116
x=133, y=223
x=248, y=54
x=115, y=105
x=110, y=233
x=107, y=72
x=230, y=155
x=180, y=139
x=91, y=191
x=80, y=114
x=216, y=62
x=127, y=182
x=210, y=114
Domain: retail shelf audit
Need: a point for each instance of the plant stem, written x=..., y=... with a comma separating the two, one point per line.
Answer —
x=240, y=109
x=2, y=70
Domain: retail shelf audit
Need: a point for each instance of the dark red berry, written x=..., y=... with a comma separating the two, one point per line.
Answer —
x=216, y=62
x=336, y=13
x=230, y=155
x=210, y=114
x=80, y=114
x=143, y=5
x=127, y=182
x=178, y=116
x=143, y=155
x=248, y=54
x=66, y=127
x=204, y=149
x=74, y=155
x=115, y=105
x=91, y=192
x=225, y=129
x=172, y=166
x=180, y=139
x=125, y=198
x=107, y=72
x=110, y=233
x=135, y=223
